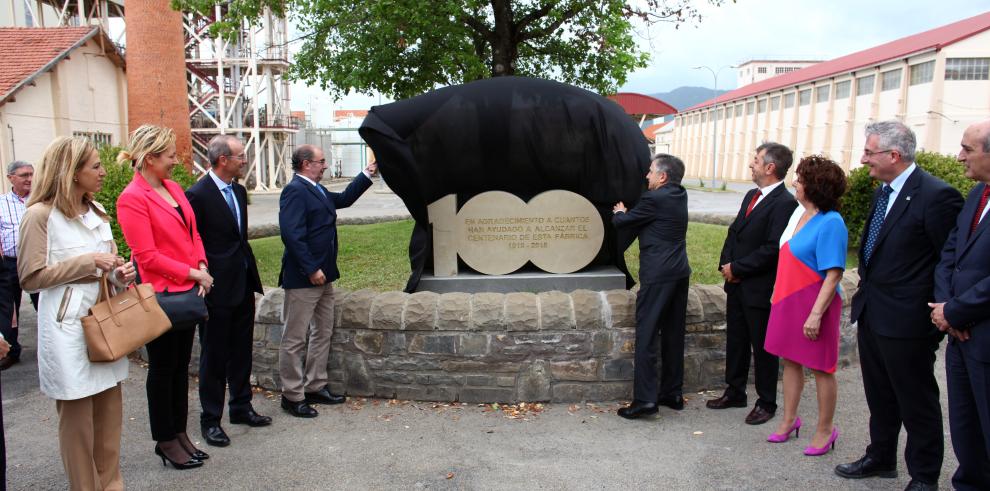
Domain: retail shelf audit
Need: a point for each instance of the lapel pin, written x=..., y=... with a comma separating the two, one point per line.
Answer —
x=907, y=198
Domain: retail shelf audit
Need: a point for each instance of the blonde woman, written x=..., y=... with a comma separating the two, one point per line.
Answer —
x=66, y=245
x=160, y=228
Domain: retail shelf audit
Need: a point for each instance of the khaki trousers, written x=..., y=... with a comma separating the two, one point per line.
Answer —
x=305, y=306
x=89, y=440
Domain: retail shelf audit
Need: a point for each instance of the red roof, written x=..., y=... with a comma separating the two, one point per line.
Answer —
x=349, y=113
x=934, y=39
x=639, y=104
x=27, y=51
x=651, y=130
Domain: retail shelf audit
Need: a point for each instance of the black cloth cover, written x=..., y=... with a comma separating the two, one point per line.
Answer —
x=514, y=134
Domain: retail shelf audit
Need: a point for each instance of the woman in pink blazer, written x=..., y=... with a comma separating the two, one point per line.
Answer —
x=160, y=228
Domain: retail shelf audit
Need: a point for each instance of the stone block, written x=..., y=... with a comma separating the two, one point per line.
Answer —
x=355, y=310
x=485, y=395
x=614, y=391
x=473, y=345
x=386, y=310
x=579, y=370
x=454, y=312
x=375, y=363
x=412, y=364
x=339, y=296
x=695, y=313
x=394, y=378
x=556, y=312
x=359, y=382
x=427, y=393
x=369, y=342
x=625, y=341
x=433, y=344
x=395, y=343
x=269, y=309
x=274, y=340
x=617, y=369
x=588, y=310
x=473, y=366
x=260, y=332
x=437, y=379
x=487, y=311
x=533, y=382
x=567, y=393
x=601, y=343
x=712, y=299
x=622, y=308
x=421, y=312
x=521, y=312
x=385, y=391
x=481, y=380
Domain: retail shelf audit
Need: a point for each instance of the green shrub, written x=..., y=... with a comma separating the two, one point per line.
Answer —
x=117, y=178
x=856, y=202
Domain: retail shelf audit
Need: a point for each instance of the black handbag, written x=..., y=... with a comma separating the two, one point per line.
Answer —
x=184, y=309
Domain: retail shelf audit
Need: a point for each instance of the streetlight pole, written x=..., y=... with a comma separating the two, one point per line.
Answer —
x=714, y=117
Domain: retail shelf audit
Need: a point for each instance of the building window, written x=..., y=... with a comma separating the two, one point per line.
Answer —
x=763, y=105
x=704, y=117
x=738, y=110
x=721, y=114
x=842, y=89
x=821, y=93
x=761, y=69
x=785, y=69
x=789, y=100
x=98, y=138
x=967, y=69
x=922, y=73
x=750, y=106
x=775, y=103
x=890, y=80
x=864, y=85
x=805, y=97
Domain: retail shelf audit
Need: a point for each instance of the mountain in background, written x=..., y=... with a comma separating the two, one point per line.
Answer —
x=685, y=97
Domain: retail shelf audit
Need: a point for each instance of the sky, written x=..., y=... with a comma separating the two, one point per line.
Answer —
x=737, y=32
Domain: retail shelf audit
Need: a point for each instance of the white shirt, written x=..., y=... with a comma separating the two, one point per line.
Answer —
x=11, y=210
x=896, y=186
x=221, y=185
x=764, y=191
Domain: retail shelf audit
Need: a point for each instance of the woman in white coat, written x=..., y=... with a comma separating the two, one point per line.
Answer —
x=66, y=245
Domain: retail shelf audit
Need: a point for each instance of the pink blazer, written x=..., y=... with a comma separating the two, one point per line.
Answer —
x=164, y=246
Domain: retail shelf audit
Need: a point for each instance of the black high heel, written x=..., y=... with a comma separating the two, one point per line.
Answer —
x=191, y=464
x=195, y=453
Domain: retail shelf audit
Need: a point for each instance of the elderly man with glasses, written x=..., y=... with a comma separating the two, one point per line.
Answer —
x=12, y=208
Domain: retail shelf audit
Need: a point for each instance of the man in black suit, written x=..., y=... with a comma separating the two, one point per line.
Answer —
x=909, y=220
x=660, y=220
x=227, y=337
x=749, y=266
x=307, y=221
x=962, y=290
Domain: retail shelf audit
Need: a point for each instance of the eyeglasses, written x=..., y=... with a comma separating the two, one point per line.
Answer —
x=869, y=153
x=24, y=176
x=321, y=161
x=242, y=157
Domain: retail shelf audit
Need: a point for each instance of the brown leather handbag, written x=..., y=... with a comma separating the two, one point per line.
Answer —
x=119, y=325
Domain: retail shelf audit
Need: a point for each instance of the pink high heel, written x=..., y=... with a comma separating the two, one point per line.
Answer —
x=829, y=445
x=795, y=428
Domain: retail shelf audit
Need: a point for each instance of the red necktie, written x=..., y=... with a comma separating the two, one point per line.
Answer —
x=752, y=203
x=979, y=210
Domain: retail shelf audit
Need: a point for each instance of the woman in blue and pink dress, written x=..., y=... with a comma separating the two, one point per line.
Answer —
x=805, y=309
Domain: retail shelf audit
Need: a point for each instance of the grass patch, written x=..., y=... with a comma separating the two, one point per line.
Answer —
x=376, y=256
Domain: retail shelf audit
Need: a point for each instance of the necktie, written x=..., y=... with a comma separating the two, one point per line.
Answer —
x=876, y=222
x=979, y=210
x=752, y=203
x=320, y=189
x=228, y=196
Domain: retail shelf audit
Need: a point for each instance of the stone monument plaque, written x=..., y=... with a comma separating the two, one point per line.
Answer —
x=496, y=233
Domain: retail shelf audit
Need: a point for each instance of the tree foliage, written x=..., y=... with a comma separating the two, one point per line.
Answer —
x=405, y=47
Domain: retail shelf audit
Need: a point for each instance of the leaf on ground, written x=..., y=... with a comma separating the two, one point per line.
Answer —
x=450, y=475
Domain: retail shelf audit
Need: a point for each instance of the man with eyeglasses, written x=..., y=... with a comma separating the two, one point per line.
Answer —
x=227, y=336
x=908, y=222
x=12, y=208
x=307, y=221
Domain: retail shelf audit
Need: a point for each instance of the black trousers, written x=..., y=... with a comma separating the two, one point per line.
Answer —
x=168, y=383
x=899, y=381
x=969, y=418
x=3, y=453
x=10, y=298
x=226, y=339
x=660, y=315
x=745, y=333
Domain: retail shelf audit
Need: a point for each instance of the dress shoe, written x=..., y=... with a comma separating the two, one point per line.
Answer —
x=214, y=435
x=725, y=402
x=916, y=485
x=795, y=428
x=324, y=396
x=298, y=409
x=638, y=410
x=866, y=467
x=8, y=361
x=829, y=445
x=674, y=402
x=759, y=416
x=190, y=464
x=250, y=418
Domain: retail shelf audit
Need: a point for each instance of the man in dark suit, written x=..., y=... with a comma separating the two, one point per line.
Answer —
x=227, y=337
x=308, y=222
x=962, y=290
x=660, y=220
x=749, y=266
x=908, y=222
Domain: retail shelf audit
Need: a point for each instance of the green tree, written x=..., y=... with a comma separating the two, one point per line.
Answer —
x=402, y=48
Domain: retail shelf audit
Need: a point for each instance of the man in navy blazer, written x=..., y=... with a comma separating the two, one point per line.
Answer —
x=307, y=220
x=962, y=293
x=907, y=225
x=660, y=219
